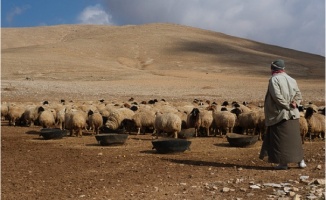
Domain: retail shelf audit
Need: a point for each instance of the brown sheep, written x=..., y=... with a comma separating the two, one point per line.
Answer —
x=316, y=123
x=95, y=121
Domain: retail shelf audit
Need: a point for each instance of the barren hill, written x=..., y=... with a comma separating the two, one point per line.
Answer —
x=152, y=60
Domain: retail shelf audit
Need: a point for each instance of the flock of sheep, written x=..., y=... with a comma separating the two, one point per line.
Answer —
x=159, y=117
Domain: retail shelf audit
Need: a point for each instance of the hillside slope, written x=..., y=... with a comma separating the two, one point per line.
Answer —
x=156, y=52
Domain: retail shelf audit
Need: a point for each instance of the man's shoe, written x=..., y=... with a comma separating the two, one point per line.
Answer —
x=302, y=164
x=281, y=167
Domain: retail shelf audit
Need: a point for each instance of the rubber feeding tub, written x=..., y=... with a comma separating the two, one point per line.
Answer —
x=52, y=133
x=171, y=145
x=239, y=140
x=106, y=139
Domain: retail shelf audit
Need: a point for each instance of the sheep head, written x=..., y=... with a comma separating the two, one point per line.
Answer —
x=309, y=112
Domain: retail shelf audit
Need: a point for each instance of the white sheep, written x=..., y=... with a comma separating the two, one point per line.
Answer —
x=78, y=122
x=183, y=116
x=116, y=117
x=206, y=120
x=60, y=119
x=31, y=114
x=167, y=122
x=46, y=117
x=4, y=110
x=224, y=121
x=95, y=121
x=75, y=121
x=303, y=128
x=15, y=113
x=143, y=119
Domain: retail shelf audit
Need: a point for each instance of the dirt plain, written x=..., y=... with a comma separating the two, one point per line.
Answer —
x=177, y=63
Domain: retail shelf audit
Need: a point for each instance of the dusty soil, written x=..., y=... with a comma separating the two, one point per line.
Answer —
x=83, y=63
x=80, y=168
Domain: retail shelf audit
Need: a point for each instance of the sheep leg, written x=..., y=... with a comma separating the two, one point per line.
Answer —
x=221, y=131
x=138, y=132
x=71, y=132
x=259, y=136
x=155, y=133
x=207, y=131
x=143, y=130
x=175, y=134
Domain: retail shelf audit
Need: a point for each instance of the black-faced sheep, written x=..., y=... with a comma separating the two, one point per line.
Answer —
x=193, y=120
x=95, y=121
x=250, y=121
x=311, y=105
x=200, y=119
x=168, y=123
x=242, y=107
x=316, y=123
x=116, y=117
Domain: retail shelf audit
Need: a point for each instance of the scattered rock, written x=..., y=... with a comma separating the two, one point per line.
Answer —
x=319, y=167
x=254, y=187
x=320, y=181
x=225, y=189
x=279, y=193
x=272, y=185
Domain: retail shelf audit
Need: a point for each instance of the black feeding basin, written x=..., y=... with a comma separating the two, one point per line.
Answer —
x=239, y=140
x=171, y=145
x=52, y=133
x=106, y=139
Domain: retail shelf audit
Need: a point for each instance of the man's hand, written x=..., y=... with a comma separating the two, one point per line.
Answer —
x=293, y=104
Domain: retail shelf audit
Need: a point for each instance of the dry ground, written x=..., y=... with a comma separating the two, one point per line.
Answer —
x=79, y=168
x=87, y=63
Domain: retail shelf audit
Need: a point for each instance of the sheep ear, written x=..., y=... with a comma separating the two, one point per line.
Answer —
x=40, y=109
x=90, y=112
